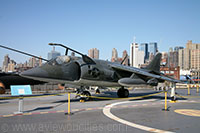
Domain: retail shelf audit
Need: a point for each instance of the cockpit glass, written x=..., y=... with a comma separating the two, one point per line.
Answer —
x=63, y=59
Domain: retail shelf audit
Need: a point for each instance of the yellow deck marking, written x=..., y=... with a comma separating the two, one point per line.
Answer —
x=8, y=115
x=27, y=113
x=60, y=111
x=188, y=112
x=44, y=112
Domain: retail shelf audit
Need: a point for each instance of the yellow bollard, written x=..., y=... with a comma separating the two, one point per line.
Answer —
x=197, y=88
x=165, y=100
x=188, y=89
x=68, y=103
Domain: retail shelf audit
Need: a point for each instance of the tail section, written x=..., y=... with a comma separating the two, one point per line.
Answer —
x=155, y=63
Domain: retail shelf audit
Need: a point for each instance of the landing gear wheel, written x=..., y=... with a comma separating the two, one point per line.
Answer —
x=122, y=93
x=87, y=95
x=97, y=91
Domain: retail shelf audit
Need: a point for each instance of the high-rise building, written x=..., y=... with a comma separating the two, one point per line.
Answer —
x=173, y=59
x=114, y=57
x=11, y=66
x=153, y=48
x=181, y=58
x=136, y=56
x=173, y=56
x=32, y=62
x=188, y=57
x=144, y=47
x=93, y=53
x=96, y=53
x=195, y=59
x=164, y=58
x=53, y=54
x=132, y=53
x=5, y=63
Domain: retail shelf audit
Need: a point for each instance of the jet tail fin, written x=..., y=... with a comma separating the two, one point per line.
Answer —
x=154, y=65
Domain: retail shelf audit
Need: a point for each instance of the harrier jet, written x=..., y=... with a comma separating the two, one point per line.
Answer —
x=84, y=71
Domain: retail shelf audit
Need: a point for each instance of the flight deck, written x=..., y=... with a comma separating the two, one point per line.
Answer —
x=142, y=112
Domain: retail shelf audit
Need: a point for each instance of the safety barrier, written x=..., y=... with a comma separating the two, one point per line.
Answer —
x=16, y=97
x=108, y=98
x=112, y=98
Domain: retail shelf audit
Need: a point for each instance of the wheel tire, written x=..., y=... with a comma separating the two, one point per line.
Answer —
x=122, y=93
x=87, y=95
x=126, y=93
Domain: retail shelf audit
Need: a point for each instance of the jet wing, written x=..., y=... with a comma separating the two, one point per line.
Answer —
x=142, y=72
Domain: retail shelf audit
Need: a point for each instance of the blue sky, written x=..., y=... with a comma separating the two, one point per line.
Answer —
x=29, y=25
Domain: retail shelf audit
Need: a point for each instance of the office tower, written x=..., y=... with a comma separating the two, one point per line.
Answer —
x=53, y=54
x=32, y=62
x=132, y=53
x=96, y=53
x=144, y=47
x=173, y=58
x=189, y=57
x=164, y=58
x=93, y=53
x=6, y=60
x=11, y=66
x=114, y=57
x=181, y=58
x=153, y=48
x=195, y=59
x=136, y=56
x=5, y=63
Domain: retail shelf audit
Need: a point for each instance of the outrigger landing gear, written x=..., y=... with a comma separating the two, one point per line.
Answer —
x=173, y=92
x=123, y=93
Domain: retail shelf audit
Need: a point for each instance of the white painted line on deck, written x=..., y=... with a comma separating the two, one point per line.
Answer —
x=106, y=111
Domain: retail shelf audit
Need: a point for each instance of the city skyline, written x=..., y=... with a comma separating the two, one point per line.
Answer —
x=102, y=24
x=177, y=56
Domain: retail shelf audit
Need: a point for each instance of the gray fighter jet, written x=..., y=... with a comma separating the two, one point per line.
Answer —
x=84, y=71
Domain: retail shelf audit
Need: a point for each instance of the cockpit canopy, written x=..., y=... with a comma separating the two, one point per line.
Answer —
x=62, y=60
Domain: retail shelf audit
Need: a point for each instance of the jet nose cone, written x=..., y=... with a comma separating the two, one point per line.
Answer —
x=35, y=72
